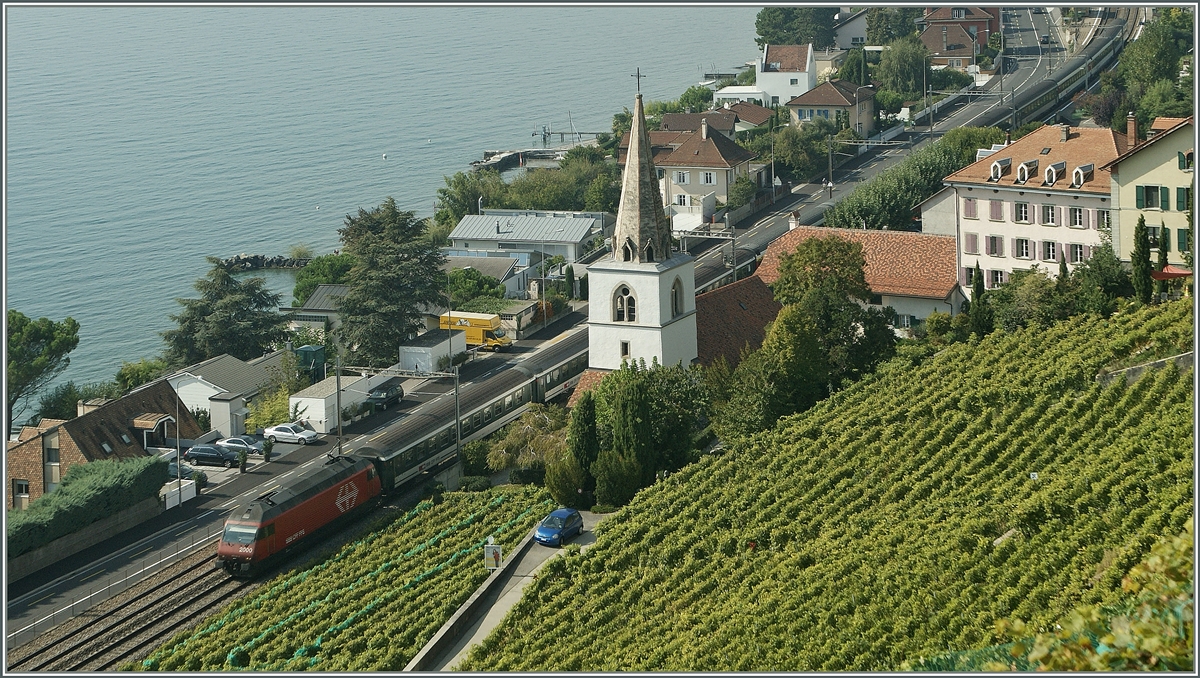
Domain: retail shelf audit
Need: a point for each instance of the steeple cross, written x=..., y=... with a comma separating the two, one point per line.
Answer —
x=639, y=77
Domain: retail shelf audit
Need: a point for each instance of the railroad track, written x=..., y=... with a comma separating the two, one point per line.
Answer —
x=136, y=625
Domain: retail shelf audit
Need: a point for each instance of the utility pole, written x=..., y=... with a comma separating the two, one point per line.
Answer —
x=337, y=380
x=829, y=138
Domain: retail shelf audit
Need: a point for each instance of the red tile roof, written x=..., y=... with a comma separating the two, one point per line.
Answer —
x=958, y=41
x=899, y=263
x=971, y=14
x=719, y=120
x=587, y=381
x=1084, y=146
x=732, y=317
x=1161, y=124
x=715, y=151
x=750, y=112
x=661, y=145
x=789, y=57
x=833, y=93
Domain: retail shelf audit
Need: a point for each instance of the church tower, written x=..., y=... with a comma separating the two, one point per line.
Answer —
x=642, y=299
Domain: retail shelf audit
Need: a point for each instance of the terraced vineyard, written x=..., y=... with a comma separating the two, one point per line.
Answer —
x=371, y=606
x=898, y=519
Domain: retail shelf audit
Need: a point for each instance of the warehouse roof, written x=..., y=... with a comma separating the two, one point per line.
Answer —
x=522, y=229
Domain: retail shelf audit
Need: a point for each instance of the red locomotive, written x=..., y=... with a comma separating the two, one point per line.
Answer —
x=280, y=519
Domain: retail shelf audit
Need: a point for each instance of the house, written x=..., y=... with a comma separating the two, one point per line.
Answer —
x=695, y=170
x=950, y=45
x=319, y=311
x=224, y=386
x=850, y=29
x=504, y=269
x=828, y=62
x=141, y=423
x=733, y=317
x=1154, y=179
x=1044, y=196
x=719, y=121
x=913, y=273
x=783, y=72
x=749, y=115
x=530, y=236
x=838, y=100
x=979, y=22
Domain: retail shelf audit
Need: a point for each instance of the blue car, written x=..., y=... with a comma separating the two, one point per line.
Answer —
x=558, y=527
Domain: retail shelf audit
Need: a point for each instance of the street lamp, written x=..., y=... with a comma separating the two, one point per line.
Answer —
x=925, y=85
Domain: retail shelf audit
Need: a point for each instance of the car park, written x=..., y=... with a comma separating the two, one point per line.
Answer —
x=210, y=455
x=386, y=394
x=558, y=527
x=290, y=433
x=241, y=443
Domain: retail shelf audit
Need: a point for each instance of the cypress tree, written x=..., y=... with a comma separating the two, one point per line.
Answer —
x=570, y=274
x=1142, y=289
x=633, y=433
x=582, y=440
x=1062, y=269
x=1164, y=247
x=980, y=313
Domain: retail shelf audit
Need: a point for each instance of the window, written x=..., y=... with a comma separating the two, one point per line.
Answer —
x=824, y=113
x=21, y=487
x=681, y=199
x=995, y=278
x=659, y=171
x=1153, y=197
x=1076, y=254
x=681, y=178
x=995, y=246
x=708, y=178
x=1021, y=212
x=903, y=321
x=795, y=81
x=969, y=208
x=1103, y=219
x=1183, y=240
x=997, y=210
x=858, y=40
x=958, y=13
x=625, y=306
x=624, y=349
x=1021, y=248
x=954, y=63
x=1048, y=215
x=677, y=298
x=1076, y=214
x=971, y=243
x=1183, y=198
x=1153, y=232
x=1049, y=252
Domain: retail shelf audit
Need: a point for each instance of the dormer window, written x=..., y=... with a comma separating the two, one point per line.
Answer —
x=958, y=13
x=1000, y=168
x=1026, y=170
x=1082, y=175
x=1053, y=172
x=627, y=251
x=649, y=253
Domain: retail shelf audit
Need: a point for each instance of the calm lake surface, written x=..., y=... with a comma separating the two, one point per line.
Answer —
x=141, y=139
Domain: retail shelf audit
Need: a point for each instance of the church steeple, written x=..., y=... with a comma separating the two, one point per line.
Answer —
x=642, y=233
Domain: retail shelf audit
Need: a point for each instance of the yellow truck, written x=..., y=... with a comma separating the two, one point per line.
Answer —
x=482, y=329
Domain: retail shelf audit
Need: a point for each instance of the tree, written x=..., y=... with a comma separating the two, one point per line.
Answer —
x=1152, y=57
x=1142, y=283
x=528, y=442
x=397, y=274
x=904, y=68
x=696, y=98
x=1164, y=247
x=795, y=26
x=272, y=409
x=565, y=478
x=460, y=196
x=327, y=269
x=62, y=402
x=1189, y=253
x=832, y=262
x=37, y=354
x=1101, y=280
x=981, y=310
x=888, y=24
x=238, y=317
x=742, y=191
x=1026, y=300
x=604, y=193
x=582, y=438
x=569, y=273
x=144, y=371
x=468, y=283
x=854, y=68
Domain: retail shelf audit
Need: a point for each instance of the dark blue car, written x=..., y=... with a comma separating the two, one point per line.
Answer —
x=558, y=527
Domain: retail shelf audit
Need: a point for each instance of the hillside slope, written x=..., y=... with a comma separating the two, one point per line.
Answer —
x=898, y=519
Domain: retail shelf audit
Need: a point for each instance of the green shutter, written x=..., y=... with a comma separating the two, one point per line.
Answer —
x=1164, y=200
x=1181, y=199
x=1183, y=239
x=1182, y=160
x=1141, y=197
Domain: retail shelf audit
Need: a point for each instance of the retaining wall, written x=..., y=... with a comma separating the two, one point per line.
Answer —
x=1184, y=361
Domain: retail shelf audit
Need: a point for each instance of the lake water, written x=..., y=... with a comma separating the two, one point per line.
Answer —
x=141, y=139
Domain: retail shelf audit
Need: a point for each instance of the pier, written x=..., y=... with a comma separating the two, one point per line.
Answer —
x=502, y=160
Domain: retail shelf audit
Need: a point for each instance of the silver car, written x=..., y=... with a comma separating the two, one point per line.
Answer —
x=241, y=444
x=290, y=433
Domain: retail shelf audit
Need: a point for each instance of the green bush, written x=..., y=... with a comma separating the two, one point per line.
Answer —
x=88, y=493
x=474, y=458
x=474, y=483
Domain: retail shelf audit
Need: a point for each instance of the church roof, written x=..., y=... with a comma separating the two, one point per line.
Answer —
x=589, y=380
x=640, y=217
x=732, y=317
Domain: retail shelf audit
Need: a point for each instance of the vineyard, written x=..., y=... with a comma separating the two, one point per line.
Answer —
x=898, y=519
x=372, y=605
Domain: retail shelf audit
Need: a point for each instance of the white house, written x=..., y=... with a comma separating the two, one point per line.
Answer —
x=782, y=73
x=850, y=30
x=224, y=386
x=423, y=352
x=1044, y=196
x=317, y=404
x=547, y=235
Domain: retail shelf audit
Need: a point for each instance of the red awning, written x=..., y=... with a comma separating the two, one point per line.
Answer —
x=1171, y=271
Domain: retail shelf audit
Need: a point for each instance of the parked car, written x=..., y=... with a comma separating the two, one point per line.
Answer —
x=560, y=525
x=243, y=443
x=211, y=455
x=386, y=394
x=290, y=433
x=176, y=471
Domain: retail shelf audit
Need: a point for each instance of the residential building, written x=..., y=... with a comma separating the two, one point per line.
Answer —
x=749, y=115
x=319, y=311
x=975, y=21
x=224, y=387
x=782, y=73
x=533, y=235
x=951, y=46
x=1043, y=197
x=719, y=121
x=145, y=421
x=828, y=62
x=515, y=278
x=913, y=273
x=733, y=318
x=850, y=29
x=839, y=101
x=642, y=298
x=1154, y=179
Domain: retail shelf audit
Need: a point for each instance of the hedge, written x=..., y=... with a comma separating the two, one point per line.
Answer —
x=88, y=493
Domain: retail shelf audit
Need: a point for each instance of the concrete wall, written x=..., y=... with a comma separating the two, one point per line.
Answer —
x=87, y=537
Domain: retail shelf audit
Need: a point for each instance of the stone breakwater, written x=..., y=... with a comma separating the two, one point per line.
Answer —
x=250, y=262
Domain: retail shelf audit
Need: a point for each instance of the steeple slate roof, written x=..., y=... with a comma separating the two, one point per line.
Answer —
x=642, y=233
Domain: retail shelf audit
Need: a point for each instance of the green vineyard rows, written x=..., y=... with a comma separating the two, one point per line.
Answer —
x=899, y=518
x=372, y=605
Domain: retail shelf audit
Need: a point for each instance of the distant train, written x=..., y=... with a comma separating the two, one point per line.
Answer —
x=278, y=521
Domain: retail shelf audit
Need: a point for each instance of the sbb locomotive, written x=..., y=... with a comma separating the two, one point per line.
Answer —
x=278, y=520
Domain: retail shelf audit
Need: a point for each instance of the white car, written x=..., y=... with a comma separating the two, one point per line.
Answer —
x=290, y=433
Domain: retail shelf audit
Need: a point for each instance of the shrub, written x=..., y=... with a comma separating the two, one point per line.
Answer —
x=474, y=458
x=474, y=483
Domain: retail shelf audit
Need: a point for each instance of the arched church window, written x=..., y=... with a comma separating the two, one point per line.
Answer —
x=624, y=305
x=627, y=251
x=676, y=298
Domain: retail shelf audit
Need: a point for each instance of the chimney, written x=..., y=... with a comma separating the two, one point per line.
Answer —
x=1008, y=137
x=945, y=48
x=1065, y=132
x=1131, y=129
x=704, y=128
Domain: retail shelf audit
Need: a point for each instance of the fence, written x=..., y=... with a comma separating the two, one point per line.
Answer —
x=84, y=598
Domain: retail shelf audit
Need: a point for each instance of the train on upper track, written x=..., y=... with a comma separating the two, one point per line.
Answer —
x=278, y=521
x=1078, y=72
